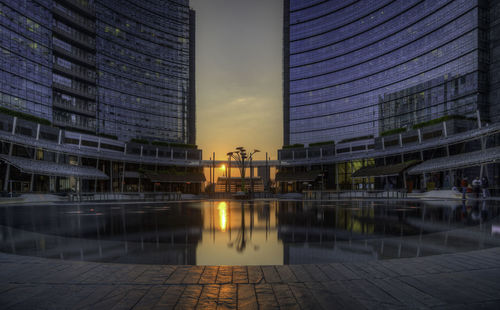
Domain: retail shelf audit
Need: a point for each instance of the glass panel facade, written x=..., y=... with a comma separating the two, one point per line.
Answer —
x=357, y=68
x=121, y=68
x=143, y=64
x=25, y=57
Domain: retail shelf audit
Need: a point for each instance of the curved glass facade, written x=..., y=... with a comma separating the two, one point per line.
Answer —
x=359, y=68
x=122, y=68
x=26, y=57
x=143, y=67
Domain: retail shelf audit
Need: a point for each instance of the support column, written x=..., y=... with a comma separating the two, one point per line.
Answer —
x=95, y=180
x=213, y=174
x=123, y=177
x=33, y=175
x=111, y=176
x=7, y=171
x=352, y=179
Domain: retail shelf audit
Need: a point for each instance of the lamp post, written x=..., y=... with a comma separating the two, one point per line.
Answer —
x=251, y=171
x=228, y=173
x=239, y=156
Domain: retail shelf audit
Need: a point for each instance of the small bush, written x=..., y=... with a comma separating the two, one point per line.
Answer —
x=139, y=141
x=108, y=136
x=293, y=146
x=438, y=120
x=322, y=143
x=25, y=116
x=392, y=131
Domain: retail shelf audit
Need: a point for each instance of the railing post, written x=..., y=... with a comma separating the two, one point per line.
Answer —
x=37, y=131
x=478, y=119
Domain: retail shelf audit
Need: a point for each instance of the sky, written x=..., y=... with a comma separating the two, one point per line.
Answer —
x=238, y=76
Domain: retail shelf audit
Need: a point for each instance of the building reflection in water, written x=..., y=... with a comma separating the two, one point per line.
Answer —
x=248, y=233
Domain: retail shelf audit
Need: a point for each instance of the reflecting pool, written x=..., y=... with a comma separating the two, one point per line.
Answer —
x=248, y=232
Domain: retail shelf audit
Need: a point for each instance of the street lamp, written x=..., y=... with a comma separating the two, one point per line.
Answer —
x=239, y=156
x=251, y=171
x=229, y=155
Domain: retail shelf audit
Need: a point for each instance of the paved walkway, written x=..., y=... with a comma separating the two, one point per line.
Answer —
x=451, y=281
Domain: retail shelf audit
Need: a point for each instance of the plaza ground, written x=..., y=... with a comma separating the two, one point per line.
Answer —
x=450, y=281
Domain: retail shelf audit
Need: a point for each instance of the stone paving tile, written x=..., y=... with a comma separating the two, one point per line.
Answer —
x=209, y=275
x=303, y=296
x=114, y=297
x=255, y=274
x=270, y=274
x=286, y=274
x=341, y=297
x=24, y=297
x=209, y=297
x=97, y=293
x=131, y=298
x=265, y=296
x=193, y=275
x=150, y=299
x=285, y=297
x=152, y=275
x=301, y=273
x=178, y=275
x=344, y=272
x=247, y=298
x=374, y=293
x=324, y=296
x=170, y=297
x=224, y=275
x=240, y=274
x=316, y=273
x=189, y=298
x=227, y=297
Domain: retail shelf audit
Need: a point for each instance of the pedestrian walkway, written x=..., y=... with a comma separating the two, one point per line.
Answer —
x=468, y=280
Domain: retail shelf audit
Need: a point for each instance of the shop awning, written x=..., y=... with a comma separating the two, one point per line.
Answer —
x=49, y=168
x=383, y=171
x=457, y=161
x=302, y=176
x=188, y=177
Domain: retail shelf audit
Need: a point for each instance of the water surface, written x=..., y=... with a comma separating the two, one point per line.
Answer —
x=248, y=233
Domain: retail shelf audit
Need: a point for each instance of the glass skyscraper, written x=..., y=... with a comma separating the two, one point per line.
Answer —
x=118, y=68
x=359, y=69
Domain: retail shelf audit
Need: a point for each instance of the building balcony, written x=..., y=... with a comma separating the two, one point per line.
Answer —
x=75, y=37
x=73, y=108
x=76, y=21
x=82, y=6
x=69, y=124
x=74, y=91
x=88, y=59
x=85, y=76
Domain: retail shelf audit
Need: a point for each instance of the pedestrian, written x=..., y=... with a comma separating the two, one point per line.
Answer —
x=476, y=186
x=464, y=185
x=484, y=184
